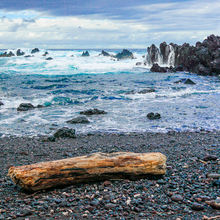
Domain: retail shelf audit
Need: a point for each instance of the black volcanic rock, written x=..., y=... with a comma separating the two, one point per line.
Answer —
x=94, y=111
x=79, y=120
x=19, y=52
x=35, y=50
x=215, y=65
x=125, y=54
x=49, y=58
x=85, y=54
x=105, y=54
x=45, y=54
x=185, y=81
x=1, y=103
x=145, y=91
x=25, y=107
x=153, y=116
x=65, y=133
x=152, y=54
x=5, y=54
x=158, y=69
x=203, y=58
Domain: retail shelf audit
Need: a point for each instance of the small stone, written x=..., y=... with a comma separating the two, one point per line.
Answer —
x=110, y=205
x=161, y=182
x=215, y=204
x=25, y=153
x=210, y=157
x=213, y=175
x=197, y=207
x=216, y=183
x=107, y=183
x=95, y=202
x=176, y=198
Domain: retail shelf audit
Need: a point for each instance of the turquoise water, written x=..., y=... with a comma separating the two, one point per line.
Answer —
x=69, y=84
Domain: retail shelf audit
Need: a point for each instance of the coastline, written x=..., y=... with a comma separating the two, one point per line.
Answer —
x=122, y=199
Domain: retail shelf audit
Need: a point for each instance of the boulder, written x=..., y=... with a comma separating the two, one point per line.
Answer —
x=79, y=120
x=153, y=116
x=19, y=52
x=1, y=103
x=158, y=69
x=125, y=54
x=94, y=111
x=85, y=54
x=35, y=50
x=186, y=81
x=49, y=58
x=25, y=107
x=65, y=133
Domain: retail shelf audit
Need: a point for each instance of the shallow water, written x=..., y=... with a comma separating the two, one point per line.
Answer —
x=67, y=85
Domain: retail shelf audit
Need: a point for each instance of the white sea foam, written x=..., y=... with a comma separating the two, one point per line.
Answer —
x=70, y=62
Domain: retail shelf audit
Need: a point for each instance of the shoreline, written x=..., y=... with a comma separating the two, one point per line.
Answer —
x=184, y=186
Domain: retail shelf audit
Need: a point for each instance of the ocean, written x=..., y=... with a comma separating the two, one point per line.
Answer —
x=71, y=83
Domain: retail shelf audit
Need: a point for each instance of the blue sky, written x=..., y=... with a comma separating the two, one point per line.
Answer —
x=105, y=23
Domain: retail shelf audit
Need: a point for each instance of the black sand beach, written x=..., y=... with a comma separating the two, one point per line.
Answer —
x=185, y=191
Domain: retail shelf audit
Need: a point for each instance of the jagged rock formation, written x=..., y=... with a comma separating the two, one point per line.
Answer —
x=5, y=54
x=85, y=54
x=203, y=58
x=35, y=50
x=105, y=54
x=125, y=54
x=19, y=52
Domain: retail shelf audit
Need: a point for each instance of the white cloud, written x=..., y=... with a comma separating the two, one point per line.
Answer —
x=177, y=21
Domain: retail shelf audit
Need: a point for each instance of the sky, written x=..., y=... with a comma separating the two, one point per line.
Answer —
x=69, y=24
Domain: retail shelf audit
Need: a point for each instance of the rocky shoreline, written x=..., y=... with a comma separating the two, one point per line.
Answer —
x=203, y=58
x=189, y=190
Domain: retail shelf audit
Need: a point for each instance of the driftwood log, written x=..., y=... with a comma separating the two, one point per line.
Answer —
x=98, y=166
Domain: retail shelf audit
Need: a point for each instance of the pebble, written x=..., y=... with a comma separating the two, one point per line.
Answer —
x=216, y=183
x=197, y=207
x=110, y=206
x=215, y=204
x=213, y=175
x=176, y=198
x=107, y=183
x=210, y=157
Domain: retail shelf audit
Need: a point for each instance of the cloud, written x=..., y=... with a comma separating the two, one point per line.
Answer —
x=105, y=24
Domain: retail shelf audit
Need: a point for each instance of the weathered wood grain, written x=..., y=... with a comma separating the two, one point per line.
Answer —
x=98, y=166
